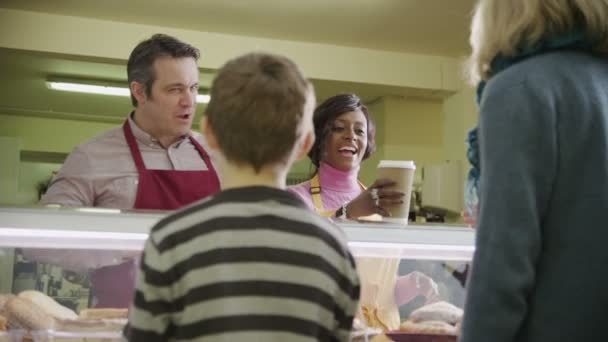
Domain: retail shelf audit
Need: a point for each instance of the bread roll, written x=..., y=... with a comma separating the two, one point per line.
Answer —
x=89, y=314
x=3, y=322
x=48, y=304
x=3, y=300
x=428, y=327
x=24, y=314
x=440, y=311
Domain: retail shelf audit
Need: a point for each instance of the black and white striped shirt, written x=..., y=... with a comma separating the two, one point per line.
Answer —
x=248, y=264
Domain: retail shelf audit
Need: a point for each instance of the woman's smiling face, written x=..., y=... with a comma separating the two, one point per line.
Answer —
x=346, y=141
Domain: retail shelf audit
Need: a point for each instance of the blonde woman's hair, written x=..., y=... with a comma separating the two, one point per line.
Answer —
x=500, y=27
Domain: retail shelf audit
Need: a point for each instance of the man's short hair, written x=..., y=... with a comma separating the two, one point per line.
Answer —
x=256, y=108
x=140, y=66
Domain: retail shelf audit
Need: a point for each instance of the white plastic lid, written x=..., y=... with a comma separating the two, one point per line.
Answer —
x=404, y=164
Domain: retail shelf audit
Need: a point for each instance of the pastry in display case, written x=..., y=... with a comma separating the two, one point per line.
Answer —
x=410, y=300
x=34, y=315
x=412, y=277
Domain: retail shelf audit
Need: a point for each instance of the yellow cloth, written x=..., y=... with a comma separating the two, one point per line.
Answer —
x=315, y=192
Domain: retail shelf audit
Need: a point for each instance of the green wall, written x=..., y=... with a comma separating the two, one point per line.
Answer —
x=32, y=147
x=49, y=135
x=9, y=169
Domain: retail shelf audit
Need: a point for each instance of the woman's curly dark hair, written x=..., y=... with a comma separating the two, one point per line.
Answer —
x=325, y=115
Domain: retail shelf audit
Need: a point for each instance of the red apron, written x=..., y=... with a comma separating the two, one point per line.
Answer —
x=113, y=286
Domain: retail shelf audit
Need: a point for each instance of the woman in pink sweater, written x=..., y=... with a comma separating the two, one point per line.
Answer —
x=345, y=137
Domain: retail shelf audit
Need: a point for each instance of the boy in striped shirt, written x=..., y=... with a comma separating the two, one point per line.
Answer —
x=251, y=263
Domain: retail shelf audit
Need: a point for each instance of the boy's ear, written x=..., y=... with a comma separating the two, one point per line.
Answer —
x=209, y=133
x=306, y=145
x=138, y=91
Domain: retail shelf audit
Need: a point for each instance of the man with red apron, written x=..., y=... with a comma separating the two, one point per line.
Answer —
x=113, y=286
x=163, y=77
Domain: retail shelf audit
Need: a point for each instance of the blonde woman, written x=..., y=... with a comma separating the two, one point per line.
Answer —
x=539, y=270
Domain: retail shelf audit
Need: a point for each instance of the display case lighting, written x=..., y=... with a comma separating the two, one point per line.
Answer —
x=103, y=89
x=72, y=239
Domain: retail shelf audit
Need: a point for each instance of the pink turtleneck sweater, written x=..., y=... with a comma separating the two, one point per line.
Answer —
x=337, y=187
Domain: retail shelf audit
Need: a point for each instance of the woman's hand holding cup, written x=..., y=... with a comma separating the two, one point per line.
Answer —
x=377, y=199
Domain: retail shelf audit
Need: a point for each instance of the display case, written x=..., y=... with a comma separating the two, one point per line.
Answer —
x=57, y=251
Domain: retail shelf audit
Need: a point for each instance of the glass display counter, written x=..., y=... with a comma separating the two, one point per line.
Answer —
x=56, y=250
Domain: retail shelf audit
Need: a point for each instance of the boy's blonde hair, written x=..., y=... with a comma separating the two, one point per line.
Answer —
x=256, y=108
x=500, y=27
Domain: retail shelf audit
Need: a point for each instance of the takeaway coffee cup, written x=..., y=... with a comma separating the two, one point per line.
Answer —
x=402, y=172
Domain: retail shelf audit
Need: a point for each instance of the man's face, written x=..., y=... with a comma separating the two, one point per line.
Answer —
x=170, y=108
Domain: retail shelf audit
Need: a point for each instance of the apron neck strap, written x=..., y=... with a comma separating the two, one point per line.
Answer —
x=135, y=153
x=203, y=153
x=315, y=193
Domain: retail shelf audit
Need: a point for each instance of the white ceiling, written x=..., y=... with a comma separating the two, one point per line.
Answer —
x=437, y=27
